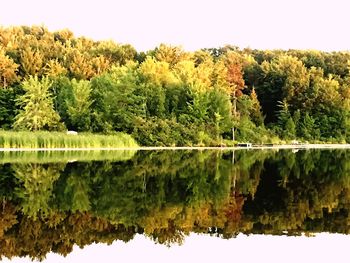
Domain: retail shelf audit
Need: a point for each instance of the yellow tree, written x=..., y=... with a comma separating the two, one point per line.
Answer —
x=171, y=55
x=8, y=69
x=199, y=78
x=79, y=64
x=53, y=68
x=256, y=114
x=186, y=72
x=157, y=78
x=157, y=73
x=100, y=65
x=31, y=62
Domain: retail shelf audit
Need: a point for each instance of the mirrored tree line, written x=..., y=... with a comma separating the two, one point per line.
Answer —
x=166, y=195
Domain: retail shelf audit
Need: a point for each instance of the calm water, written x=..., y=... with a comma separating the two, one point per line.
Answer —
x=54, y=201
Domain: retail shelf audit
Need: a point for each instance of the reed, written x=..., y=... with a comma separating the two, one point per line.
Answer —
x=52, y=140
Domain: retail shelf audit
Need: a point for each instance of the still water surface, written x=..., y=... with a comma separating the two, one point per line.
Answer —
x=52, y=202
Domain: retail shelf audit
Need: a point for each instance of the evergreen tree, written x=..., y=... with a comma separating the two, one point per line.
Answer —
x=285, y=121
x=309, y=128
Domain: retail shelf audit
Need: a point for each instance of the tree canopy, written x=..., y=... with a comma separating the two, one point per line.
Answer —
x=168, y=96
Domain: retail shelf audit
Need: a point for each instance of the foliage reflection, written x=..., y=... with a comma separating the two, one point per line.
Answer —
x=165, y=195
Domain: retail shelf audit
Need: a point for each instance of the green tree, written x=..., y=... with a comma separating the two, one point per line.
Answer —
x=36, y=104
x=285, y=121
x=78, y=107
x=62, y=92
x=8, y=107
x=117, y=100
x=309, y=129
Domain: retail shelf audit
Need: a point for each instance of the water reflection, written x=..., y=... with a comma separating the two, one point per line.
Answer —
x=49, y=205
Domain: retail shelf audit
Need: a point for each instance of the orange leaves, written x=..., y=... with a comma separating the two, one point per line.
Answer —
x=234, y=76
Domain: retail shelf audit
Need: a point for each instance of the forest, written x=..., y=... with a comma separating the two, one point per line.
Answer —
x=54, y=81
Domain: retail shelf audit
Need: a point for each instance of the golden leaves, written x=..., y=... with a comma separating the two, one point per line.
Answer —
x=53, y=68
x=8, y=70
x=31, y=62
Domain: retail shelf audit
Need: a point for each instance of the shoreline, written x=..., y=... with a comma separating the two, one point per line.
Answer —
x=147, y=148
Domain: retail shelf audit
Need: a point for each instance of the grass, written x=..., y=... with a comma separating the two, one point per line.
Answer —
x=51, y=140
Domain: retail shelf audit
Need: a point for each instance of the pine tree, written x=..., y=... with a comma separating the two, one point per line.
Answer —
x=309, y=128
x=285, y=121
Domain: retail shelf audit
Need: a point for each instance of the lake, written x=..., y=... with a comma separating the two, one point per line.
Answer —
x=272, y=205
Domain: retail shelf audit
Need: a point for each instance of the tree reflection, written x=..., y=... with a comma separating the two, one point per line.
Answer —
x=166, y=195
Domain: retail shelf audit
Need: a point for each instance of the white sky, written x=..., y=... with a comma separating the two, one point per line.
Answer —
x=194, y=24
x=324, y=248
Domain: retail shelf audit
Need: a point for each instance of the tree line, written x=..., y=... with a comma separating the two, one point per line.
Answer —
x=166, y=96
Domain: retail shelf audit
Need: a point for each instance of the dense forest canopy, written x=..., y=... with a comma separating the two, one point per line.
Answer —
x=167, y=96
